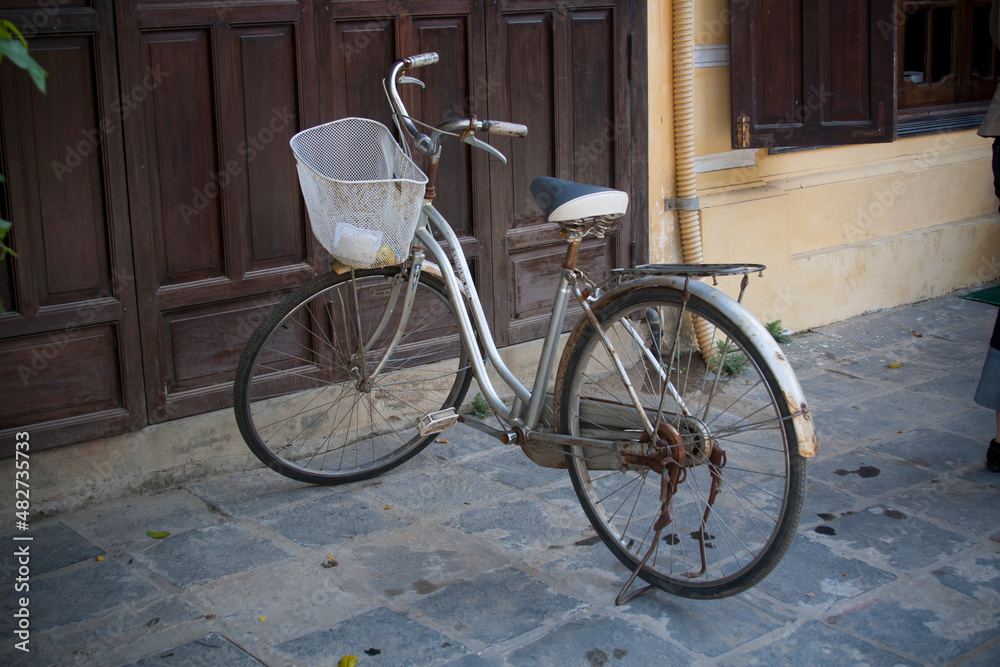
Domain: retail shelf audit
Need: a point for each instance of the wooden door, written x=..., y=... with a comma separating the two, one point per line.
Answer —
x=216, y=91
x=69, y=341
x=568, y=73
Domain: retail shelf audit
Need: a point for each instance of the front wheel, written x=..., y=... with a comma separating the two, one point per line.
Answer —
x=322, y=396
x=722, y=429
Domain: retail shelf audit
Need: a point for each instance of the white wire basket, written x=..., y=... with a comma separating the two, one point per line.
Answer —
x=363, y=193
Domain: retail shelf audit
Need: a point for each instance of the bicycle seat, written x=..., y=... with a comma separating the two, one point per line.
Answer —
x=562, y=201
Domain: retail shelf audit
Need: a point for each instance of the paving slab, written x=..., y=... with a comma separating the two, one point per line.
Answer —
x=199, y=556
x=97, y=587
x=208, y=651
x=124, y=523
x=904, y=409
x=818, y=644
x=823, y=502
x=402, y=570
x=381, y=636
x=819, y=350
x=256, y=493
x=127, y=624
x=53, y=545
x=867, y=474
x=709, y=627
x=956, y=500
x=510, y=466
x=934, y=449
x=870, y=331
x=522, y=525
x=935, y=627
x=599, y=641
x=828, y=388
x=493, y=607
x=814, y=576
x=332, y=518
x=460, y=443
x=886, y=537
x=882, y=366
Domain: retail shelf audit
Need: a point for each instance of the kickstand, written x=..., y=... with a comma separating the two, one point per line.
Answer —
x=670, y=475
x=648, y=588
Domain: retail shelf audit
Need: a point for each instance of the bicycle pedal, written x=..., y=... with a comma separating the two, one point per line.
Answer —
x=437, y=422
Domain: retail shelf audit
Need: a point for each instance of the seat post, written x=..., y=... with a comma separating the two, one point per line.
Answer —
x=572, y=251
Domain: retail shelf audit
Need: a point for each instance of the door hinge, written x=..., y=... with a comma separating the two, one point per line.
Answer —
x=743, y=131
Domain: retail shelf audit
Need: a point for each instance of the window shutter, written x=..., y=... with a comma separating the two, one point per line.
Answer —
x=812, y=72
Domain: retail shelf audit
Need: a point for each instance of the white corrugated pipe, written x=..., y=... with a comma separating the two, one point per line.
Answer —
x=687, y=185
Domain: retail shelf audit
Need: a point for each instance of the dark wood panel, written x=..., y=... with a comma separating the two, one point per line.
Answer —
x=29, y=7
x=184, y=161
x=58, y=375
x=531, y=84
x=273, y=208
x=205, y=343
x=534, y=277
x=202, y=347
x=361, y=53
x=448, y=96
x=593, y=63
x=777, y=34
x=845, y=30
x=69, y=232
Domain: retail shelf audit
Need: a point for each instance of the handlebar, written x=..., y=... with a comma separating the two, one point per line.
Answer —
x=464, y=127
x=421, y=60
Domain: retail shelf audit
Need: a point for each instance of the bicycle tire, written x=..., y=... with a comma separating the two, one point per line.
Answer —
x=303, y=398
x=756, y=512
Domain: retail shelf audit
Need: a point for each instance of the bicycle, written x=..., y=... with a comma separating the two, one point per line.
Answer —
x=673, y=407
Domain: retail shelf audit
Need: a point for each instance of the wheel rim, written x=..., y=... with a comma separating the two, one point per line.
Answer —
x=739, y=413
x=314, y=409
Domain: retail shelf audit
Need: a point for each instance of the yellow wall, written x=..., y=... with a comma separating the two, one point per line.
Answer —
x=842, y=230
x=664, y=241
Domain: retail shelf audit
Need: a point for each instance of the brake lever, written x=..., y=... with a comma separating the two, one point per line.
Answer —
x=470, y=138
x=410, y=79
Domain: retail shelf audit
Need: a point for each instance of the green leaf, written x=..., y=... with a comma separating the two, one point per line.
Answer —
x=157, y=534
x=18, y=54
x=6, y=28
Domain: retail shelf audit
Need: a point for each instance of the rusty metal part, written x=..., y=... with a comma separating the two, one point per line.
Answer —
x=717, y=461
x=430, y=190
x=666, y=457
x=571, y=254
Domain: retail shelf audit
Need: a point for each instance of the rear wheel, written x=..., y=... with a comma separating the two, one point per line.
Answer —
x=307, y=399
x=725, y=413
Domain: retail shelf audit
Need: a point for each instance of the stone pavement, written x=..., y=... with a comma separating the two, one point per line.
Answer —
x=471, y=555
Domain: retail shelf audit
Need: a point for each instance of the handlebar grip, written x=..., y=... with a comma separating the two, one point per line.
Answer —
x=505, y=128
x=421, y=60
